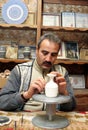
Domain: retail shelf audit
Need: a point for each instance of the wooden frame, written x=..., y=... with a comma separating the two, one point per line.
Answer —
x=71, y=49
x=62, y=52
x=77, y=81
x=31, y=20
x=68, y=19
x=51, y=19
x=84, y=54
x=81, y=20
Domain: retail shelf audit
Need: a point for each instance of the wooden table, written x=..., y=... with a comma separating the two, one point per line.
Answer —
x=23, y=120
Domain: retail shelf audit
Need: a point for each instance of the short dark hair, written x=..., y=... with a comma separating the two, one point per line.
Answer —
x=51, y=37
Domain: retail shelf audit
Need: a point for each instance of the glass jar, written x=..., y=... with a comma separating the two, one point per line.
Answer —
x=26, y=52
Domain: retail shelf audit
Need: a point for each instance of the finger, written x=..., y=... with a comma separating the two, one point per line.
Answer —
x=36, y=87
x=56, y=73
x=62, y=84
x=39, y=85
x=60, y=79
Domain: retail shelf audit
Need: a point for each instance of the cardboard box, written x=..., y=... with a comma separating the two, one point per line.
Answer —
x=2, y=82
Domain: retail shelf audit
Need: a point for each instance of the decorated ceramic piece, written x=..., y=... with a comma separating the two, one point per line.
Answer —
x=14, y=12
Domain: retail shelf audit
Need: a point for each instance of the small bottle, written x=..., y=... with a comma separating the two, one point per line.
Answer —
x=51, y=88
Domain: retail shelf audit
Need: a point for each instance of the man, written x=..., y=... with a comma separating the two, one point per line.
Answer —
x=30, y=78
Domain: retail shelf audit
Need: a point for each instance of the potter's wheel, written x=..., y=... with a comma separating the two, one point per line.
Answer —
x=49, y=100
x=50, y=120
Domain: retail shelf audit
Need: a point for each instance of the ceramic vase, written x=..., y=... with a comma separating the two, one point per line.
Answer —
x=51, y=88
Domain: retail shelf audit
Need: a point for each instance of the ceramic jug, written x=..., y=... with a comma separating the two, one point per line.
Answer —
x=51, y=88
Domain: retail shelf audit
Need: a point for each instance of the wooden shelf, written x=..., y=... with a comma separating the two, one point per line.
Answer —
x=64, y=61
x=14, y=60
x=69, y=2
x=18, y=26
x=56, y=28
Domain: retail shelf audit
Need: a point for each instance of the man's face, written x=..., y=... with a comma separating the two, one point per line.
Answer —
x=47, y=54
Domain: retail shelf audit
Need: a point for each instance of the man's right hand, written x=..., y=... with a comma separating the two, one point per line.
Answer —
x=35, y=87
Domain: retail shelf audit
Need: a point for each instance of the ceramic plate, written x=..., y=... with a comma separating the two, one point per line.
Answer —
x=4, y=120
x=14, y=13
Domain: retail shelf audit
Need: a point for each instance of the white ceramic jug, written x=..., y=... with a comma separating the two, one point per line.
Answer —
x=51, y=88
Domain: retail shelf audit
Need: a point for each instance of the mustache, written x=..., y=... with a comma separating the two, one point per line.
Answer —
x=48, y=63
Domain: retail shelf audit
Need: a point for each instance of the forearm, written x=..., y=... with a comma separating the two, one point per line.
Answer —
x=11, y=102
x=10, y=98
